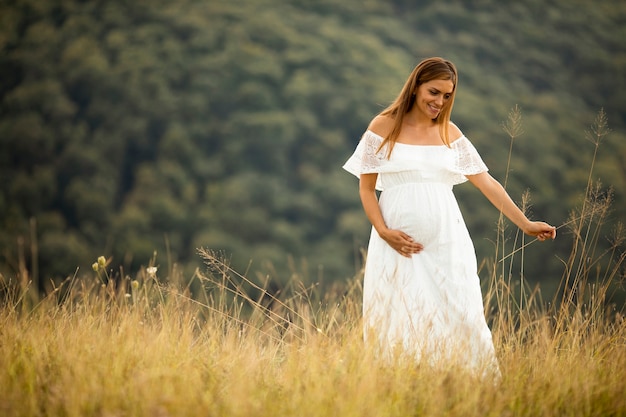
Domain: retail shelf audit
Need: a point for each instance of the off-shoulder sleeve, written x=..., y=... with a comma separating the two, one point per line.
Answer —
x=366, y=159
x=467, y=159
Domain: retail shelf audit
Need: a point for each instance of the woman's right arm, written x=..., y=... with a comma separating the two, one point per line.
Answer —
x=398, y=240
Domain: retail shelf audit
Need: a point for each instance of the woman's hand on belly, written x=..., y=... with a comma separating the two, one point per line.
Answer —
x=401, y=242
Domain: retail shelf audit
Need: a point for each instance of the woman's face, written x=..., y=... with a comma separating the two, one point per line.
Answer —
x=432, y=97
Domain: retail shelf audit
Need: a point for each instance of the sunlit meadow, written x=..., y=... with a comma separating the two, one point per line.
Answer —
x=221, y=343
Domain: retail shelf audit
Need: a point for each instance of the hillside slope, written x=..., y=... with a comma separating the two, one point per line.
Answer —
x=127, y=129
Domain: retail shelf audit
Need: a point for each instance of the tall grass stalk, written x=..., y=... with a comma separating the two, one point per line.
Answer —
x=224, y=344
x=502, y=286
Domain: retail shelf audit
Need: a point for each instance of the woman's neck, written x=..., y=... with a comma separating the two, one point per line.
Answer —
x=418, y=120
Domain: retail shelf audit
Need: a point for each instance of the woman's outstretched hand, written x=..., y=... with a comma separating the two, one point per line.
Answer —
x=401, y=242
x=541, y=230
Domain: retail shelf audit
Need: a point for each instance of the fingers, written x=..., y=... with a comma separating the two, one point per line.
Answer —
x=413, y=246
x=548, y=232
x=553, y=233
x=407, y=251
x=409, y=247
x=403, y=243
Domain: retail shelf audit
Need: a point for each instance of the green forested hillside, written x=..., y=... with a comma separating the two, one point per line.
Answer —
x=133, y=127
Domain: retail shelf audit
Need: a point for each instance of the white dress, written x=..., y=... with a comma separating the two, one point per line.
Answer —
x=429, y=305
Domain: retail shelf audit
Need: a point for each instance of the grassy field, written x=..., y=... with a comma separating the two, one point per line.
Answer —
x=221, y=345
x=144, y=348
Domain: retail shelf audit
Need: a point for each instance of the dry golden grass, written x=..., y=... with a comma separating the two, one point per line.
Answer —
x=96, y=351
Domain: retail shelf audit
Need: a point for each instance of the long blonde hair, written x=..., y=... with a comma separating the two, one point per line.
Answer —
x=429, y=69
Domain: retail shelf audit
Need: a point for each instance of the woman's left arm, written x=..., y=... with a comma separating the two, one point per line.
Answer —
x=498, y=196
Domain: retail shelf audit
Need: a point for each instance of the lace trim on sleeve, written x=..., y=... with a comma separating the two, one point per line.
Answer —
x=371, y=160
x=365, y=159
x=467, y=159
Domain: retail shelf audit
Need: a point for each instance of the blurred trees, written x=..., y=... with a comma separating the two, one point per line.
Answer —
x=129, y=128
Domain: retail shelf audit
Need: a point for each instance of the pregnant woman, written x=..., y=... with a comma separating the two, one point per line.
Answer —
x=421, y=291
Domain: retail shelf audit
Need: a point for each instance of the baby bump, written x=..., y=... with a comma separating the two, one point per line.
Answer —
x=418, y=216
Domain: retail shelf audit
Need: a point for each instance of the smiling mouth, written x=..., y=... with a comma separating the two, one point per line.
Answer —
x=434, y=109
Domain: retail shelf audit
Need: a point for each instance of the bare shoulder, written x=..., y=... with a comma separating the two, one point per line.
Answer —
x=381, y=125
x=454, y=132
